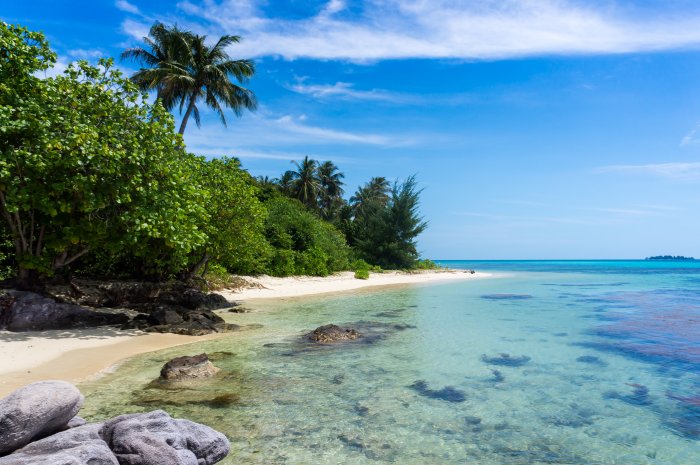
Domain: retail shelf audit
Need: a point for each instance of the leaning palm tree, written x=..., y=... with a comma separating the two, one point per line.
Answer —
x=305, y=183
x=183, y=69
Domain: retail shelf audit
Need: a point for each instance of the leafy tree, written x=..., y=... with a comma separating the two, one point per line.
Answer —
x=303, y=243
x=185, y=70
x=86, y=163
x=385, y=235
x=235, y=219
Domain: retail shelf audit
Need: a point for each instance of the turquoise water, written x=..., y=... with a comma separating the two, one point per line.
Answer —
x=575, y=362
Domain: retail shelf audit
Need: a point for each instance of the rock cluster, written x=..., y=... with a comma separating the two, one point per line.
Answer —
x=38, y=426
x=27, y=311
x=173, y=307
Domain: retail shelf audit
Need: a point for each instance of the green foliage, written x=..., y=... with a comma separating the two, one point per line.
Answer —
x=302, y=242
x=362, y=274
x=360, y=264
x=86, y=163
x=217, y=277
x=426, y=264
x=384, y=231
x=235, y=218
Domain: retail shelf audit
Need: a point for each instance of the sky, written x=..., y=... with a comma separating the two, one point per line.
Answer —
x=538, y=129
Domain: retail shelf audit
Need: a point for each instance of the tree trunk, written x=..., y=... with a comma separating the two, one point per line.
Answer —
x=190, y=107
x=203, y=262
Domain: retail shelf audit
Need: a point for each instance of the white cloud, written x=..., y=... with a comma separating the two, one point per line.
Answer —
x=83, y=54
x=263, y=133
x=489, y=29
x=345, y=90
x=124, y=5
x=692, y=137
x=58, y=68
x=290, y=124
x=679, y=170
x=136, y=29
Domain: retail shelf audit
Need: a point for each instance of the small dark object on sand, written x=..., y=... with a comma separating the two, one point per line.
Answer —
x=505, y=360
x=448, y=393
x=497, y=376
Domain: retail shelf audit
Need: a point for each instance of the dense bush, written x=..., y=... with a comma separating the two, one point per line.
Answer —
x=303, y=244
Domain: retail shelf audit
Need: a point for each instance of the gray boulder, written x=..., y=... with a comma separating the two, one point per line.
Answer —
x=27, y=311
x=157, y=439
x=332, y=333
x=77, y=446
x=188, y=368
x=35, y=411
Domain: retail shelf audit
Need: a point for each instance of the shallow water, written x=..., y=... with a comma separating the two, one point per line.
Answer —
x=547, y=363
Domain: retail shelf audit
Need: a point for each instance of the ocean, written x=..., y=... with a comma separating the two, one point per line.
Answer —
x=544, y=362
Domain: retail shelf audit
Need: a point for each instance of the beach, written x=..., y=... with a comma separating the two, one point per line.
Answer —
x=82, y=354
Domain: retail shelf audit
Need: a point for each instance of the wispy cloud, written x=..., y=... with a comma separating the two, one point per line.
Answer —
x=273, y=136
x=679, y=170
x=345, y=90
x=135, y=29
x=124, y=5
x=296, y=125
x=489, y=29
x=86, y=54
x=692, y=137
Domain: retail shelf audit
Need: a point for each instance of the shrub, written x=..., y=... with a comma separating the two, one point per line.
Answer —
x=362, y=274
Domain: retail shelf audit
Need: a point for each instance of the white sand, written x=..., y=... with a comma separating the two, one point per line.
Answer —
x=276, y=288
x=77, y=355
x=74, y=355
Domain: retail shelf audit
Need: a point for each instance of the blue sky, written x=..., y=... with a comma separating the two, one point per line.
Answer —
x=538, y=128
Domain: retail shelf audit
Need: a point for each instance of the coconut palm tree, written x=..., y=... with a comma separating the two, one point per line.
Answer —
x=305, y=183
x=375, y=192
x=183, y=69
x=331, y=193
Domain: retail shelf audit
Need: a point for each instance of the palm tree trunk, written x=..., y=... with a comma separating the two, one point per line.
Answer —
x=190, y=107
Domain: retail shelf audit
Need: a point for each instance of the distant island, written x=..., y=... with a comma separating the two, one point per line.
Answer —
x=671, y=257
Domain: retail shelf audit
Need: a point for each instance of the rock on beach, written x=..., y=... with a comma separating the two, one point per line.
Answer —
x=36, y=410
x=38, y=426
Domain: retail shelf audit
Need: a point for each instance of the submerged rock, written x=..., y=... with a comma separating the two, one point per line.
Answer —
x=155, y=438
x=591, y=360
x=506, y=360
x=448, y=393
x=332, y=333
x=27, y=311
x=506, y=296
x=188, y=368
x=77, y=446
x=638, y=396
x=35, y=411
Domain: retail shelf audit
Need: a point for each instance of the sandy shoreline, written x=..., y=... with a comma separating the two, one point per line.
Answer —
x=76, y=355
x=300, y=286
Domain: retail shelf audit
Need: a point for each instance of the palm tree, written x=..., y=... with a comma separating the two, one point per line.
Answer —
x=305, y=183
x=375, y=192
x=331, y=195
x=183, y=69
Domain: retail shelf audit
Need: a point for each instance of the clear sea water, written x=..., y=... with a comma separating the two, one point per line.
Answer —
x=547, y=362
